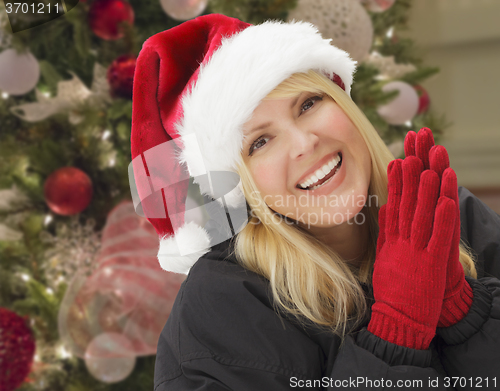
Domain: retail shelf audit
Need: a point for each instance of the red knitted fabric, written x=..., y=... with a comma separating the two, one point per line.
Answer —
x=458, y=293
x=413, y=245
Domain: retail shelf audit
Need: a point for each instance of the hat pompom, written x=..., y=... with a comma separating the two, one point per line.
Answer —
x=179, y=252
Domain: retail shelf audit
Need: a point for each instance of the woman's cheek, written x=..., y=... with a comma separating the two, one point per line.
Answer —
x=264, y=175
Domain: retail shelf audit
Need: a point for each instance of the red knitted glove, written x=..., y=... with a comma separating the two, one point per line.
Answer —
x=458, y=294
x=410, y=270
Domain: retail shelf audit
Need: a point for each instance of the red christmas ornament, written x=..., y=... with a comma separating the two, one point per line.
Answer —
x=105, y=17
x=68, y=191
x=423, y=99
x=17, y=348
x=121, y=76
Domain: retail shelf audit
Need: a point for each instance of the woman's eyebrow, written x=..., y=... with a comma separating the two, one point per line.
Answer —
x=269, y=123
x=260, y=127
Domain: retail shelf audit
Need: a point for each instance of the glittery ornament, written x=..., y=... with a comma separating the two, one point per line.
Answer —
x=19, y=72
x=378, y=5
x=68, y=191
x=346, y=22
x=121, y=76
x=388, y=66
x=403, y=107
x=72, y=248
x=17, y=348
x=183, y=9
x=105, y=17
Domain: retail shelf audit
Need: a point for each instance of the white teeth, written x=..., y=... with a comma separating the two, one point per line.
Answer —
x=322, y=172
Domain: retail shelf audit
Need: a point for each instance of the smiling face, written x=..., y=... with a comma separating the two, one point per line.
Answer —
x=288, y=140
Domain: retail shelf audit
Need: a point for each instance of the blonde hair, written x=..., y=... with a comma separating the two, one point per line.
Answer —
x=308, y=279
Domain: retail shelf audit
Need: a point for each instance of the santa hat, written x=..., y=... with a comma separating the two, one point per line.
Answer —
x=195, y=85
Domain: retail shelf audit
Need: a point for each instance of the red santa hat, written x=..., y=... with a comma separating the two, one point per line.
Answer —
x=195, y=85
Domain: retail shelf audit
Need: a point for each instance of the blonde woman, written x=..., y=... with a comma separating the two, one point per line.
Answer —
x=348, y=270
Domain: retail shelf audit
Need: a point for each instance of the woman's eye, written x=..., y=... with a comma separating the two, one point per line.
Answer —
x=308, y=103
x=256, y=142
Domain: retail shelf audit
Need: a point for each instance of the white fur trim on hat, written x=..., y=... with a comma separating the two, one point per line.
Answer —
x=241, y=72
x=180, y=252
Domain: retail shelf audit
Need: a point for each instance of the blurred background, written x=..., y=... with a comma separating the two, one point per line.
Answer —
x=82, y=296
x=462, y=38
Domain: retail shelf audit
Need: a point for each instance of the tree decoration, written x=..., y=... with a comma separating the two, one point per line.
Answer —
x=183, y=9
x=423, y=99
x=378, y=5
x=17, y=348
x=71, y=94
x=68, y=191
x=402, y=108
x=121, y=76
x=11, y=199
x=388, y=67
x=346, y=22
x=106, y=16
x=19, y=72
x=127, y=293
x=110, y=358
x=72, y=249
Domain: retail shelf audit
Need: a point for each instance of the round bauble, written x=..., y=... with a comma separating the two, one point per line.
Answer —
x=106, y=16
x=17, y=348
x=68, y=191
x=19, y=72
x=346, y=22
x=403, y=107
x=183, y=9
x=121, y=76
x=108, y=357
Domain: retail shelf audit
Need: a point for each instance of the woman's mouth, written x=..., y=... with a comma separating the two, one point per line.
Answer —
x=326, y=179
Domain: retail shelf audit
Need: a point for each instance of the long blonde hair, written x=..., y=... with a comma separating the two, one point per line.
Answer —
x=308, y=279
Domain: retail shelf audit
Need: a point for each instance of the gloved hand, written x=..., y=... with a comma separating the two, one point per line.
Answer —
x=458, y=293
x=413, y=246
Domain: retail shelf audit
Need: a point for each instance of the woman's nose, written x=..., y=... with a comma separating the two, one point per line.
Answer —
x=302, y=141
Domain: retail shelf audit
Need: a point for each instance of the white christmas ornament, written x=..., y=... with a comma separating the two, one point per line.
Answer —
x=109, y=357
x=19, y=72
x=70, y=95
x=183, y=9
x=346, y=22
x=404, y=106
x=388, y=67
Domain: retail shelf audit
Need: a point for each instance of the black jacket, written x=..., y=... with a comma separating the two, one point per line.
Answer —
x=223, y=333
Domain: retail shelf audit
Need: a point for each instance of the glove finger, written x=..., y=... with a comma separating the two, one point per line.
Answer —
x=423, y=221
x=381, y=229
x=412, y=169
x=438, y=159
x=449, y=187
x=425, y=141
x=410, y=143
x=395, y=187
x=444, y=222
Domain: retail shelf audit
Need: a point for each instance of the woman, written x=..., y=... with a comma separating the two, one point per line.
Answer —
x=350, y=278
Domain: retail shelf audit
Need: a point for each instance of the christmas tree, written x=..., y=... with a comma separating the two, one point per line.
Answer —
x=81, y=300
